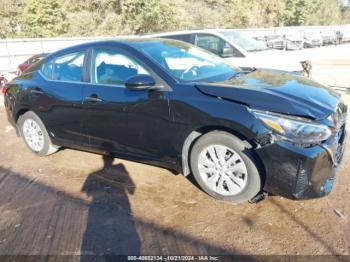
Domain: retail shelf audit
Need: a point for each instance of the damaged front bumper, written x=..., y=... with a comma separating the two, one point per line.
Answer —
x=301, y=173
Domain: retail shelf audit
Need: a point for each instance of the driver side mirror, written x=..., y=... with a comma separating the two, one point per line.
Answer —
x=141, y=82
x=227, y=52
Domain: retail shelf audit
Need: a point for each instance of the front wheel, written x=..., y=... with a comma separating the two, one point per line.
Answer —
x=225, y=167
x=35, y=135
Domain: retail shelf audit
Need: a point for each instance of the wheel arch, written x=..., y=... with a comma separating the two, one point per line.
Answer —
x=196, y=134
x=21, y=111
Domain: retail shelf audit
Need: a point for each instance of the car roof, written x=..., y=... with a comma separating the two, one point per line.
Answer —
x=211, y=30
x=133, y=42
x=39, y=55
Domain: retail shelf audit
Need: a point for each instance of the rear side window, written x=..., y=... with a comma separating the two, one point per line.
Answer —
x=35, y=59
x=69, y=67
x=185, y=38
x=113, y=68
x=46, y=69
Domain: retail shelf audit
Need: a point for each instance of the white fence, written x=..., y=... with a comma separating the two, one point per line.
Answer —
x=292, y=30
x=15, y=51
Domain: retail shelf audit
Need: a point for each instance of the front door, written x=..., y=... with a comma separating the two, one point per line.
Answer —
x=119, y=120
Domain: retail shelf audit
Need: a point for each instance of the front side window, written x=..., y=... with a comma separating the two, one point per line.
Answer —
x=113, y=68
x=211, y=43
x=187, y=62
x=69, y=67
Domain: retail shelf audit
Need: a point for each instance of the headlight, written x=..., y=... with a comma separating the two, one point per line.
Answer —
x=296, y=130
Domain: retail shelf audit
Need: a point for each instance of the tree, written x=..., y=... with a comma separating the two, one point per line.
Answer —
x=93, y=17
x=324, y=12
x=111, y=25
x=43, y=18
x=81, y=23
x=210, y=14
x=312, y=12
x=143, y=16
x=46, y=18
x=270, y=12
x=10, y=17
x=296, y=12
x=240, y=14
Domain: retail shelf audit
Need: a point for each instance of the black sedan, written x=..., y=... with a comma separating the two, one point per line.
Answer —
x=171, y=104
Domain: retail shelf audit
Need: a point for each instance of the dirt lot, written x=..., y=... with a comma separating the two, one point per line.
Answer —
x=78, y=203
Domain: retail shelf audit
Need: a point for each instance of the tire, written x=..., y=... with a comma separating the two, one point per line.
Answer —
x=241, y=152
x=31, y=119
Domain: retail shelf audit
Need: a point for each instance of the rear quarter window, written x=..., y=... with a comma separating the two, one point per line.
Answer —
x=46, y=69
x=68, y=67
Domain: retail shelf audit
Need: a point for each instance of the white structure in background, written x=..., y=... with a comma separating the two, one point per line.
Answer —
x=344, y=3
x=237, y=48
x=15, y=51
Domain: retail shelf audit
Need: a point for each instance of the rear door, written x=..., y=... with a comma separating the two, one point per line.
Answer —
x=57, y=90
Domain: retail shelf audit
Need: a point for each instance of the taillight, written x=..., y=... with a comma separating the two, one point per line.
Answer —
x=3, y=88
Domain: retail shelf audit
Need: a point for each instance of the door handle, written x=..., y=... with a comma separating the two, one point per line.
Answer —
x=93, y=99
x=37, y=91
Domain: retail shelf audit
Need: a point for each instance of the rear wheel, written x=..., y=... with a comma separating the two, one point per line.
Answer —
x=35, y=135
x=225, y=167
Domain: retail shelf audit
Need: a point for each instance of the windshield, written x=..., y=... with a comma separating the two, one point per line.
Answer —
x=186, y=62
x=247, y=43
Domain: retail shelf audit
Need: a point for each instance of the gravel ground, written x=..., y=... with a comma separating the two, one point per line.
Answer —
x=73, y=203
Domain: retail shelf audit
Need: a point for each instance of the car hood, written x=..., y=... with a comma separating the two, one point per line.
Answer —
x=272, y=59
x=276, y=91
